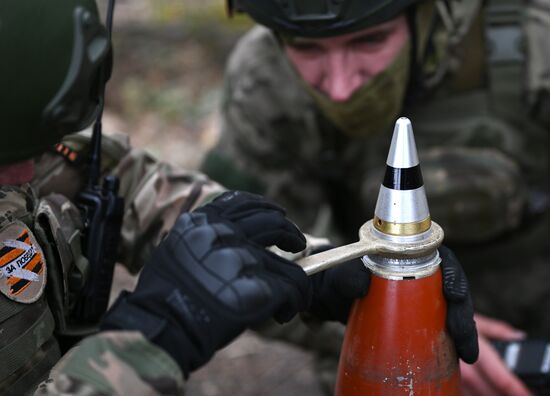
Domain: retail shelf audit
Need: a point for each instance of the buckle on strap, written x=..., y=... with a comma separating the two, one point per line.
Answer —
x=504, y=33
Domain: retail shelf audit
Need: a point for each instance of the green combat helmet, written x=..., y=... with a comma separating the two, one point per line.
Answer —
x=49, y=87
x=320, y=18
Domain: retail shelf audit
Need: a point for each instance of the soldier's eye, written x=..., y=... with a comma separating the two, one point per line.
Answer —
x=305, y=47
x=374, y=38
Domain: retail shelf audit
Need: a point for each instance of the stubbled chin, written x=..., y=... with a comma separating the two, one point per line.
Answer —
x=17, y=174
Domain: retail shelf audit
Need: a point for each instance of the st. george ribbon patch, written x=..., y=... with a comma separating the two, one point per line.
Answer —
x=22, y=264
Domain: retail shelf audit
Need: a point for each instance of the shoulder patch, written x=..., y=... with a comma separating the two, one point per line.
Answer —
x=22, y=264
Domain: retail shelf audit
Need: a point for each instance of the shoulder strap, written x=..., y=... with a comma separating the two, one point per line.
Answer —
x=505, y=55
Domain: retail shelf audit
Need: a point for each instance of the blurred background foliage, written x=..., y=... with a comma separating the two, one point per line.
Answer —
x=169, y=60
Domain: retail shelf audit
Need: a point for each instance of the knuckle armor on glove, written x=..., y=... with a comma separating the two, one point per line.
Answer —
x=203, y=286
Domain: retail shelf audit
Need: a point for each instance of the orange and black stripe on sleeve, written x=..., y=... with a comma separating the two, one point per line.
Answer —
x=35, y=264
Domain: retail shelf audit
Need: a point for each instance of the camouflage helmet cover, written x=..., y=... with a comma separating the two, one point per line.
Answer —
x=319, y=18
x=51, y=54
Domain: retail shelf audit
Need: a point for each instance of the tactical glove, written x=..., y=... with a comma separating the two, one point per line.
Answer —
x=206, y=283
x=259, y=219
x=264, y=222
x=336, y=289
x=460, y=309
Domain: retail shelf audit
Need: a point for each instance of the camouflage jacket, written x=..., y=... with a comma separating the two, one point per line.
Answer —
x=483, y=144
x=111, y=363
x=40, y=229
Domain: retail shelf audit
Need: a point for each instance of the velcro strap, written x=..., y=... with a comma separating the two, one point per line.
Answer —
x=27, y=378
x=130, y=317
x=23, y=338
x=506, y=54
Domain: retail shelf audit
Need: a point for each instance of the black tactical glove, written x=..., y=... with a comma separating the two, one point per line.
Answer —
x=206, y=283
x=336, y=289
x=460, y=309
x=259, y=219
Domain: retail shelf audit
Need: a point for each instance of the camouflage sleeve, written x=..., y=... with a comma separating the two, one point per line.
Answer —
x=267, y=133
x=245, y=156
x=114, y=363
x=155, y=192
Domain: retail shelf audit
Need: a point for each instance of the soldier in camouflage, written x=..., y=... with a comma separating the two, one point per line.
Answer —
x=208, y=275
x=309, y=101
x=41, y=258
x=208, y=280
x=38, y=184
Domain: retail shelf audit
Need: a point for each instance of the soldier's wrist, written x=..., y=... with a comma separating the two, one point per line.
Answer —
x=172, y=337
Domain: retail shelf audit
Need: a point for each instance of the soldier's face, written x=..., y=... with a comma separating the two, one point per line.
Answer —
x=338, y=66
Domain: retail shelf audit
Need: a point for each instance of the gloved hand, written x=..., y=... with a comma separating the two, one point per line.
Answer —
x=264, y=222
x=206, y=283
x=335, y=290
x=460, y=309
x=261, y=220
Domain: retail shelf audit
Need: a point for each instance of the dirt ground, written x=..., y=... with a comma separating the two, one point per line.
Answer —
x=164, y=92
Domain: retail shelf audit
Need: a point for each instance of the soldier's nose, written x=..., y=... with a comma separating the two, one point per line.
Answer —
x=342, y=77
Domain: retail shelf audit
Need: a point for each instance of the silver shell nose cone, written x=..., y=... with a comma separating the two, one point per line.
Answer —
x=402, y=207
x=403, y=152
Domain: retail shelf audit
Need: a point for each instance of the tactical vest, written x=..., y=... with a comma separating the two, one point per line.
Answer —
x=39, y=241
x=482, y=121
x=497, y=135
